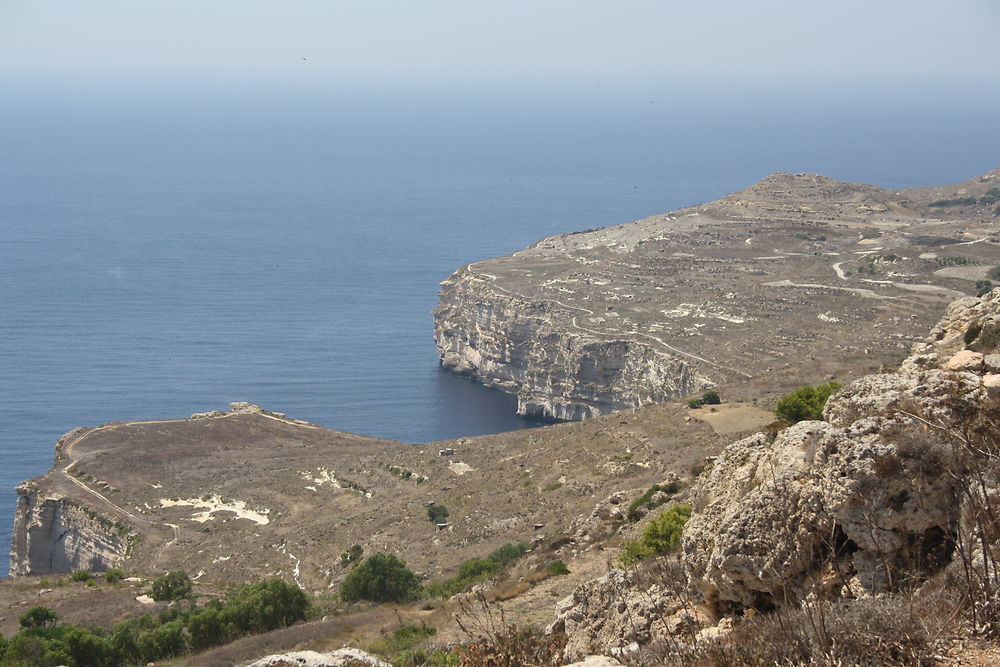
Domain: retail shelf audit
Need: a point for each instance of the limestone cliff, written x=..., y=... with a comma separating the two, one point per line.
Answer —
x=56, y=534
x=522, y=346
x=796, y=278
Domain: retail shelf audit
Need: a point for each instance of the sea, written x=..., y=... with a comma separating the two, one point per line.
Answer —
x=169, y=247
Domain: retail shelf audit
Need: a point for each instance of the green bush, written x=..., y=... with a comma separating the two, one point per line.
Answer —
x=172, y=586
x=38, y=617
x=81, y=575
x=437, y=513
x=804, y=403
x=253, y=608
x=398, y=646
x=381, y=578
x=983, y=287
x=474, y=570
x=711, y=397
x=661, y=536
x=351, y=555
x=694, y=403
x=556, y=568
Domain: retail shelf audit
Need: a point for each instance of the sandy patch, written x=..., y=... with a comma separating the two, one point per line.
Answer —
x=459, y=468
x=733, y=417
x=214, y=504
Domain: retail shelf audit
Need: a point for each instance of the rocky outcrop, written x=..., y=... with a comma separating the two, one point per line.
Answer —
x=617, y=613
x=55, y=534
x=849, y=505
x=522, y=346
x=344, y=657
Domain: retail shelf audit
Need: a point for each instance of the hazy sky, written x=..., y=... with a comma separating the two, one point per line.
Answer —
x=871, y=40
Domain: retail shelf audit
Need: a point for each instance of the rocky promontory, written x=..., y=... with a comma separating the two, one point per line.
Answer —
x=740, y=291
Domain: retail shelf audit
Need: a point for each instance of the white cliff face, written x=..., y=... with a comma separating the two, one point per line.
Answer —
x=524, y=347
x=54, y=534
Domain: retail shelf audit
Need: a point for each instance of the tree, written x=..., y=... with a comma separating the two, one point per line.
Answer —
x=381, y=578
x=172, y=586
x=804, y=403
x=38, y=617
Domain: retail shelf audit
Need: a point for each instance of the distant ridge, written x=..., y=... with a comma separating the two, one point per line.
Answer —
x=787, y=196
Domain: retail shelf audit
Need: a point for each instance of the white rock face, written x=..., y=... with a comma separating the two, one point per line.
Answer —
x=524, y=348
x=867, y=486
x=339, y=658
x=52, y=534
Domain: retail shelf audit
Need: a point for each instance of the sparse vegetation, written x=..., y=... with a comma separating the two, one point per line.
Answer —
x=381, y=578
x=957, y=201
x=991, y=197
x=475, y=570
x=661, y=536
x=114, y=575
x=983, y=286
x=351, y=555
x=437, y=513
x=804, y=403
x=556, y=568
x=398, y=647
x=81, y=576
x=710, y=397
x=655, y=496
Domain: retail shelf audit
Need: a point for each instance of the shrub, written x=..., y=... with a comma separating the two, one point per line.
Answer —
x=172, y=586
x=694, y=403
x=983, y=287
x=711, y=397
x=804, y=403
x=634, y=512
x=351, y=555
x=381, y=578
x=398, y=647
x=266, y=606
x=81, y=575
x=661, y=536
x=437, y=513
x=475, y=570
x=556, y=568
x=38, y=617
x=114, y=575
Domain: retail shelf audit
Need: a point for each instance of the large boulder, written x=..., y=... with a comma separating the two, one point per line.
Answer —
x=852, y=504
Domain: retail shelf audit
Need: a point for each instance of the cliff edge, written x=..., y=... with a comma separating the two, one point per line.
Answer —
x=797, y=277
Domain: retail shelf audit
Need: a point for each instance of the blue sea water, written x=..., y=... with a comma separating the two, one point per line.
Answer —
x=166, y=252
